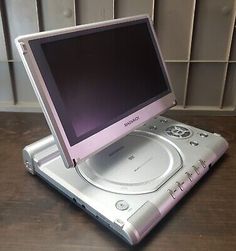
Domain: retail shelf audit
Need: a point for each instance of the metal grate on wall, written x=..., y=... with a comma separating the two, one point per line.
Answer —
x=197, y=38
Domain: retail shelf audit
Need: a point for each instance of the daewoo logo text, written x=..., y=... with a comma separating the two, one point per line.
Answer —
x=131, y=121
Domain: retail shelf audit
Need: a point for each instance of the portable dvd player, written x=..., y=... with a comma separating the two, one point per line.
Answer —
x=102, y=88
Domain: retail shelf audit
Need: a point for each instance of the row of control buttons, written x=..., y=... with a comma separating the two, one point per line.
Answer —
x=179, y=185
x=154, y=127
x=195, y=143
x=122, y=205
x=183, y=132
x=179, y=131
x=163, y=121
x=196, y=169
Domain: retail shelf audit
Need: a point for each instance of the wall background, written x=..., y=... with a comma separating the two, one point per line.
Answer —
x=197, y=37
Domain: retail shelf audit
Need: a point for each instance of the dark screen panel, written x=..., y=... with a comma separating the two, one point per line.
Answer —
x=101, y=77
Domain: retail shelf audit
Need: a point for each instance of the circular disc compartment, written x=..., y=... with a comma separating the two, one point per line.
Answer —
x=138, y=163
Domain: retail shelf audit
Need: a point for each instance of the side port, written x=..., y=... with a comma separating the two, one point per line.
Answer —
x=29, y=167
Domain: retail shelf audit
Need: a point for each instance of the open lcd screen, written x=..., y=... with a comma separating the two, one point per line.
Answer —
x=98, y=76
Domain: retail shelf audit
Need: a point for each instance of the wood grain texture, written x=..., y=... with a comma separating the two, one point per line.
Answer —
x=33, y=216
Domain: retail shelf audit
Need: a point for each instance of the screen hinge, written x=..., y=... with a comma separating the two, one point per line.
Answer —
x=23, y=47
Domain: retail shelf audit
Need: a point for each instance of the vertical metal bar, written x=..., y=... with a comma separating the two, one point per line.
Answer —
x=191, y=31
x=222, y=94
x=115, y=3
x=155, y=4
x=186, y=85
x=113, y=9
x=223, y=85
x=74, y=12
x=13, y=82
x=8, y=49
x=189, y=55
x=153, y=11
x=38, y=6
x=76, y=4
x=6, y=29
x=4, y=55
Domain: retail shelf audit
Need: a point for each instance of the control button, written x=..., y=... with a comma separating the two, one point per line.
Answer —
x=178, y=131
x=204, y=135
x=153, y=127
x=194, y=143
x=203, y=164
x=122, y=205
x=119, y=222
x=163, y=121
x=185, y=135
x=180, y=185
x=171, y=193
x=196, y=169
x=189, y=176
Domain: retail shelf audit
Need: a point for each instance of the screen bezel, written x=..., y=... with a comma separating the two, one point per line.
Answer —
x=98, y=141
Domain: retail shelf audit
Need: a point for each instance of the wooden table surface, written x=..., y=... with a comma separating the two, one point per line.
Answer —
x=33, y=216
